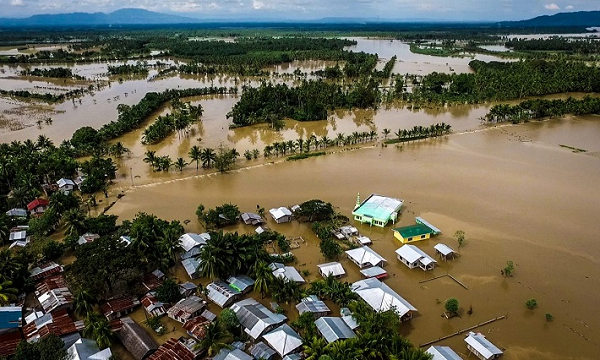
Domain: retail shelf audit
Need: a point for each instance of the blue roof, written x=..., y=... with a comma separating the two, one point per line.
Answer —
x=10, y=317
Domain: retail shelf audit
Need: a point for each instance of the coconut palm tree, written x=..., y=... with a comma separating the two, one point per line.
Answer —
x=372, y=135
x=4, y=228
x=7, y=293
x=340, y=139
x=151, y=158
x=195, y=154
x=314, y=348
x=74, y=222
x=216, y=337
x=169, y=244
x=43, y=142
x=263, y=275
x=208, y=157
x=386, y=132
x=99, y=329
x=180, y=164
x=211, y=261
x=83, y=302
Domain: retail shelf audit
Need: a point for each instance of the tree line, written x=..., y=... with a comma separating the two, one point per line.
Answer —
x=539, y=109
x=182, y=117
x=580, y=46
x=56, y=72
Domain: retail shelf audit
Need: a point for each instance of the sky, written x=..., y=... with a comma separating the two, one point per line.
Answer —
x=447, y=10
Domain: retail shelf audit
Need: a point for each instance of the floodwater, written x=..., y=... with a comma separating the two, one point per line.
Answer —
x=515, y=192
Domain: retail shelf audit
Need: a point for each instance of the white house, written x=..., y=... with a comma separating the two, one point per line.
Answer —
x=289, y=273
x=65, y=185
x=281, y=215
x=413, y=257
x=365, y=257
x=334, y=269
x=381, y=297
x=442, y=353
x=479, y=345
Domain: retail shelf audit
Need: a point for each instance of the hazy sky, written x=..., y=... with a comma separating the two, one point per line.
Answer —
x=470, y=10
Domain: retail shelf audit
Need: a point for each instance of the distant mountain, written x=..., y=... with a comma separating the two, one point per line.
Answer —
x=119, y=17
x=582, y=19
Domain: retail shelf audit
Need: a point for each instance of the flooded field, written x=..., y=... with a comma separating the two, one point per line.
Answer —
x=515, y=192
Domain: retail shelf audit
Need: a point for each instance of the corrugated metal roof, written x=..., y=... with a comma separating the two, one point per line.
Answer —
x=191, y=240
x=334, y=328
x=221, y=293
x=381, y=297
x=262, y=351
x=374, y=271
x=365, y=256
x=17, y=212
x=240, y=282
x=422, y=221
x=333, y=268
x=255, y=317
x=292, y=357
x=411, y=253
x=235, y=354
x=86, y=349
x=379, y=207
x=286, y=272
x=278, y=213
x=444, y=249
x=192, y=267
x=482, y=345
x=283, y=339
x=443, y=353
x=17, y=235
x=413, y=230
x=312, y=304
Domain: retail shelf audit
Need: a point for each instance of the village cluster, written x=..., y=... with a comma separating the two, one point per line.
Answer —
x=270, y=337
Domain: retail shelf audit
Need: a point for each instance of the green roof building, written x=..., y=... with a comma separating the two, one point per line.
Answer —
x=377, y=210
x=407, y=234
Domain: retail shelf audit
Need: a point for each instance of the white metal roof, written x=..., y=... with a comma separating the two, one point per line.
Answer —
x=63, y=182
x=363, y=240
x=420, y=220
x=482, y=345
x=287, y=272
x=365, y=255
x=444, y=249
x=381, y=297
x=284, y=339
x=331, y=268
x=235, y=354
x=412, y=253
x=191, y=266
x=191, y=240
x=17, y=235
x=17, y=212
x=443, y=353
x=221, y=293
x=255, y=318
x=334, y=328
x=278, y=213
x=373, y=271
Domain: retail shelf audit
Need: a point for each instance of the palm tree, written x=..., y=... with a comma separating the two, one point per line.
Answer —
x=118, y=149
x=4, y=228
x=372, y=135
x=150, y=158
x=169, y=245
x=74, y=221
x=83, y=302
x=180, y=164
x=255, y=153
x=43, y=142
x=210, y=261
x=195, y=154
x=99, y=329
x=216, y=337
x=7, y=292
x=208, y=157
x=340, y=139
x=263, y=275
x=315, y=348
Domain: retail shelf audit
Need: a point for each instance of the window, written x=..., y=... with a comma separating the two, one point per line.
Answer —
x=409, y=239
x=422, y=236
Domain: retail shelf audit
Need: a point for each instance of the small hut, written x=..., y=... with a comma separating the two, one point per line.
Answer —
x=445, y=252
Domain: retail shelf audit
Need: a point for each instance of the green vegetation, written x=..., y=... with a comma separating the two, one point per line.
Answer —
x=508, y=269
x=58, y=72
x=224, y=215
x=168, y=291
x=420, y=132
x=531, y=304
x=305, y=156
x=460, y=237
x=140, y=68
x=451, y=305
x=574, y=149
x=570, y=46
x=50, y=347
x=183, y=116
x=539, y=109
x=549, y=317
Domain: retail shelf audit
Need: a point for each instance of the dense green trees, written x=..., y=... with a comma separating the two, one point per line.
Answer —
x=182, y=117
x=57, y=72
x=539, y=108
x=49, y=347
x=140, y=68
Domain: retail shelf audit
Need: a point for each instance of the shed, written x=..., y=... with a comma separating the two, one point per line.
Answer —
x=283, y=339
x=260, y=350
x=10, y=317
x=176, y=349
x=281, y=215
x=18, y=236
x=119, y=306
x=153, y=306
x=191, y=240
x=286, y=272
x=187, y=289
x=413, y=257
x=58, y=323
x=37, y=206
x=365, y=257
x=442, y=353
x=136, y=340
x=86, y=349
x=377, y=210
x=232, y=354
x=87, y=238
x=16, y=212
x=334, y=269
x=313, y=305
x=381, y=297
x=445, y=251
x=196, y=327
x=363, y=240
x=374, y=272
x=255, y=318
x=479, y=345
x=412, y=233
x=45, y=270
x=241, y=283
x=65, y=185
x=221, y=293
x=251, y=219
x=186, y=309
x=153, y=280
x=192, y=267
x=60, y=298
x=333, y=329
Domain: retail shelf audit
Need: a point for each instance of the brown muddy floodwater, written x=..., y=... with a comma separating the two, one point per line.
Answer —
x=515, y=192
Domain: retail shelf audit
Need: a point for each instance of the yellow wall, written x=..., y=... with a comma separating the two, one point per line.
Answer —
x=405, y=241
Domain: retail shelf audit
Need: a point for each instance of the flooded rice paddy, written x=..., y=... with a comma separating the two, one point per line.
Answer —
x=518, y=191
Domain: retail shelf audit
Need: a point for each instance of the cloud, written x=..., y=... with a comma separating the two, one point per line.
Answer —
x=552, y=6
x=569, y=7
x=17, y=3
x=257, y=5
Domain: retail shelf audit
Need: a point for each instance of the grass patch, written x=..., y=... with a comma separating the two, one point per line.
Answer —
x=305, y=155
x=574, y=149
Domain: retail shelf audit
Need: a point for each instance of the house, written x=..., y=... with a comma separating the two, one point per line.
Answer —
x=87, y=238
x=281, y=215
x=65, y=185
x=125, y=240
x=293, y=357
x=435, y=230
x=207, y=314
x=334, y=269
x=9, y=340
x=442, y=353
x=413, y=257
x=153, y=280
x=18, y=236
x=381, y=297
x=186, y=309
x=252, y=219
x=152, y=306
x=196, y=327
x=136, y=340
x=349, y=318
x=412, y=233
x=86, y=349
x=221, y=293
x=16, y=212
x=119, y=306
x=334, y=328
x=284, y=340
x=241, y=283
x=50, y=283
x=19, y=243
x=58, y=323
x=262, y=351
x=374, y=272
x=313, y=305
x=10, y=317
x=255, y=318
x=364, y=257
x=192, y=240
x=289, y=273
x=45, y=270
x=176, y=349
x=363, y=240
x=232, y=354
x=55, y=299
x=37, y=207
x=187, y=289
x=445, y=251
x=377, y=210
x=192, y=267
x=481, y=347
